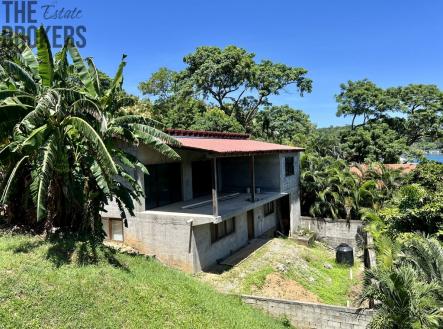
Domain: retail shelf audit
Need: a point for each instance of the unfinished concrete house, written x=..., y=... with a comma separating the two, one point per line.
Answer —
x=225, y=191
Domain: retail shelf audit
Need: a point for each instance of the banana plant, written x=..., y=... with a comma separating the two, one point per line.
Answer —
x=67, y=134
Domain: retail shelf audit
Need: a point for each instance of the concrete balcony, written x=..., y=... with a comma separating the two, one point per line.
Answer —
x=200, y=210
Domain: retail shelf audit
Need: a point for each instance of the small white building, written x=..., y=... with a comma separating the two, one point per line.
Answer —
x=224, y=191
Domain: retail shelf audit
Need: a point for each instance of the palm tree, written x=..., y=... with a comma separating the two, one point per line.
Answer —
x=407, y=282
x=405, y=301
x=64, y=135
x=425, y=255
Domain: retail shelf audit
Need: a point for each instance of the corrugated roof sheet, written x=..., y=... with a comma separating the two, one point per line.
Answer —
x=206, y=134
x=234, y=146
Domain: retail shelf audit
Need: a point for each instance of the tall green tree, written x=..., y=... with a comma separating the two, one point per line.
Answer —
x=362, y=98
x=374, y=142
x=230, y=79
x=423, y=107
x=284, y=125
x=217, y=120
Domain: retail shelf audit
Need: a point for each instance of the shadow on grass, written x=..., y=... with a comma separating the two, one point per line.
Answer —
x=27, y=247
x=82, y=251
x=68, y=248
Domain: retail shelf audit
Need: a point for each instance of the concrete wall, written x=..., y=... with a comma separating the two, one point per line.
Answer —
x=169, y=239
x=267, y=172
x=234, y=174
x=207, y=253
x=333, y=232
x=291, y=185
x=262, y=223
x=311, y=315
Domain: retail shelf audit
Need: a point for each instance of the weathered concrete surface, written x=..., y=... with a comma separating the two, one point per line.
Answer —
x=291, y=185
x=181, y=238
x=305, y=315
x=333, y=232
x=166, y=239
x=175, y=241
x=206, y=253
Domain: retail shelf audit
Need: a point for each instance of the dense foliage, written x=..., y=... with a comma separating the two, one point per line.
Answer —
x=410, y=116
x=408, y=279
x=407, y=283
x=330, y=188
x=63, y=135
x=418, y=205
x=228, y=78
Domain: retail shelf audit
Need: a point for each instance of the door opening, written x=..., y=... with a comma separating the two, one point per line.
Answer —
x=285, y=213
x=250, y=218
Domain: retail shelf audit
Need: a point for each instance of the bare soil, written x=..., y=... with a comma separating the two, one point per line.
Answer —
x=276, y=286
x=280, y=256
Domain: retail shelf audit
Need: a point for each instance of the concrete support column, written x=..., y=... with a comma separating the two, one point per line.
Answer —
x=140, y=177
x=294, y=198
x=295, y=212
x=214, y=188
x=252, y=176
x=187, y=181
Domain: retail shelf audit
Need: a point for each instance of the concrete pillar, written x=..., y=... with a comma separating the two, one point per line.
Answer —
x=140, y=177
x=294, y=198
x=295, y=212
x=187, y=180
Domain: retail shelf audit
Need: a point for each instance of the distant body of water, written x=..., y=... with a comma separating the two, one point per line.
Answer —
x=435, y=157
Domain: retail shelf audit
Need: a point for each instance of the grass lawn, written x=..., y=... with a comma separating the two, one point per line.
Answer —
x=67, y=284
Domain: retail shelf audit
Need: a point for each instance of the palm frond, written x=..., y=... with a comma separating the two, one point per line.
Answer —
x=86, y=106
x=103, y=156
x=157, y=144
x=160, y=135
x=20, y=75
x=42, y=177
x=6, y=191
x=100, y=178
x=93, y=72
x=81, y=68
x=45, y=60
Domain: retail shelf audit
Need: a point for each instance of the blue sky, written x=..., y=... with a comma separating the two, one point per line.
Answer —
x=390, y=42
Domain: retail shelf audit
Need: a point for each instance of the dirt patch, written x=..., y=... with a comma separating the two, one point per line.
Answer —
x=276, y=286
x=355, y=292
x=317, y=273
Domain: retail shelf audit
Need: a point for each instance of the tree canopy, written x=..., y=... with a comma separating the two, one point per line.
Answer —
x=228, y=78
x=63, y=135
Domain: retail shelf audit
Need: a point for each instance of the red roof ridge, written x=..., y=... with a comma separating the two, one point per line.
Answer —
x=207, y=134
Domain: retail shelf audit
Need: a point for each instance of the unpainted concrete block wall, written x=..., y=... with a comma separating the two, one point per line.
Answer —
x=262, y=223
x=291, y=185
x=207, y=253
x=333, y=232
x=311, y=315
x=166, y=238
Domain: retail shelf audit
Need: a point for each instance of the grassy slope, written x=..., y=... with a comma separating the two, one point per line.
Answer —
x=332, y=286
x=42, y=285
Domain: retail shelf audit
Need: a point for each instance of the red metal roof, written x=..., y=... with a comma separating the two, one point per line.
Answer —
x=200, y=133
x=234, y=146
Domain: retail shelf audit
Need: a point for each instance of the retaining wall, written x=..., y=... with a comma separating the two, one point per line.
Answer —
x=311, y=315
x=333, y=231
